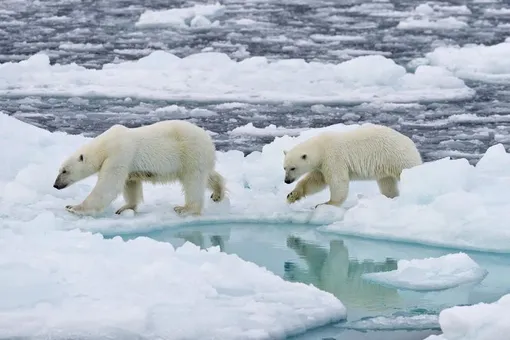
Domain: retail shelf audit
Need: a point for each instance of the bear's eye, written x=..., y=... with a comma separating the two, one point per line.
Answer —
x=64, y=171
x=292, y=169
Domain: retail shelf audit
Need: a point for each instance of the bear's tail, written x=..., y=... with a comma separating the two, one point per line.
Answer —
x=216, y=183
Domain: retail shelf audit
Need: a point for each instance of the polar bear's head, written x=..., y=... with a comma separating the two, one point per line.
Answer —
x=74, y=169
x=298, y=161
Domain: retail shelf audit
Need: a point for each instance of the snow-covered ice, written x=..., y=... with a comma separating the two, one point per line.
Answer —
x=76, y=283
x=445, y=202
x=212, y=76
x=476, y=62
x=429, y=274
x=483, y=321
x=196, y=16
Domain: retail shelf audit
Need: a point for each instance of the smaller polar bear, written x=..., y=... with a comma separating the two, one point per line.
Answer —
x=158, y=153
x=370, y=152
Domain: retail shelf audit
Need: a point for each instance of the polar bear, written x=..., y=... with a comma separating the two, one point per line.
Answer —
x=370, y=152
x=158, y=153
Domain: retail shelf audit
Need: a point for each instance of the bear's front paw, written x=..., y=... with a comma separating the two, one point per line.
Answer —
x=216, y=197
x=75, y=209
x=126, y=207
x=335, y=204
x=183, y=210
x=294, y=196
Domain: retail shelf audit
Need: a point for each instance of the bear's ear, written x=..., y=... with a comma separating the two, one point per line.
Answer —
x=303, y=157
x=80, y=158
x=284, y=152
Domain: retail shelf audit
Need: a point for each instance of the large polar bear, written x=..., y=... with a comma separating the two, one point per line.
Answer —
x=159, y=153
x=370, y=152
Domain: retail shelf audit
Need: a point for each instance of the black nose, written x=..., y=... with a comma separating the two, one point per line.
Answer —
x=288, y=181
x=56, y=186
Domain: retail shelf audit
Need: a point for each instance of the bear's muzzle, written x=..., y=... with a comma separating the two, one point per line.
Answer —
x=289, y=180
x=58, y=184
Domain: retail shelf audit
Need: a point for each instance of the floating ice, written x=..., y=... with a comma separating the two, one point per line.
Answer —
x=477, y=322
x=449, y=23
x=429, y=274
x=476, y=62
x=376, y=9
x=81, y=47
x=270, y=130
x=434, y=9
x=336, y=38
x=245, y=22
x=74, y=283
x=196, y=16
x=495, y=12
x=414, y=322
x=180, y=112
x=215, y=77
x=435, y=17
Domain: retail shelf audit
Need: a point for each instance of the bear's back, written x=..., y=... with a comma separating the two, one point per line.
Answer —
x=373, y=150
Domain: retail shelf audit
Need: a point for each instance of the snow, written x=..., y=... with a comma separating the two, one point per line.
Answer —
x=475, y=62
x=196, y=16
x=60, y=280
x=214, y=77
x=483, y=321
x=429, y=274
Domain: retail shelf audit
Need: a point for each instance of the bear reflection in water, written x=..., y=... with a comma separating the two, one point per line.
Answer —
x=329, y=270
x=335, y=273
x=197, y=238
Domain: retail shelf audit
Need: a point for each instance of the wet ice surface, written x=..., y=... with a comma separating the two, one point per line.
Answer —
x=94, y=33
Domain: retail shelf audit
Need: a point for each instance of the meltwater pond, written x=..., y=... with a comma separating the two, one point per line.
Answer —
x=336, y=264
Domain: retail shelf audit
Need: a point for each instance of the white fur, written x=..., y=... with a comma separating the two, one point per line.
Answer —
x=159, y=153
x=371, y=152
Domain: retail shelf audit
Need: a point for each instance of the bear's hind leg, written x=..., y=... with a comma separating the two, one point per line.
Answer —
x=194, y=186
x=388, y=186
x=133, y=195
x=312, y=183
